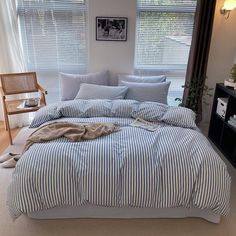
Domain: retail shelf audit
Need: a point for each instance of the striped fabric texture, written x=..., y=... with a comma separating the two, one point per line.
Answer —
x=171, y=167
x=150, y=111
x=177, y=116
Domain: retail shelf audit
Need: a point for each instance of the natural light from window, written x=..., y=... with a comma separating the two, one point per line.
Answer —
x=163, y=40
x=54, y=39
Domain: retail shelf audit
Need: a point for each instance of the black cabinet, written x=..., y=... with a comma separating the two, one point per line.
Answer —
x=222, y=134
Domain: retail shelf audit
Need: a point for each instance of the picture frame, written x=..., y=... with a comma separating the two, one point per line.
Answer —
x=111, y=28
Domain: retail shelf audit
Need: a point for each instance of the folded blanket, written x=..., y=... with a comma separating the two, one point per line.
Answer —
x=73, y=131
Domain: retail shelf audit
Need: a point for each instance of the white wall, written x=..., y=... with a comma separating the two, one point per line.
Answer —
x=114, y=56
x=222, y=51
x=119, y=56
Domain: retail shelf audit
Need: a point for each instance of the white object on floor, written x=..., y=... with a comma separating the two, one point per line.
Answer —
x=19, y=140
x=10, y=163
x=7, y=156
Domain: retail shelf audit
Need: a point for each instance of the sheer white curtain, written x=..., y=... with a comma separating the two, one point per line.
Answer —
x=11, y=59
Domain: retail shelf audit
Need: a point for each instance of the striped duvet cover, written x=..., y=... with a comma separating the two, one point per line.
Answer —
x=174, y=166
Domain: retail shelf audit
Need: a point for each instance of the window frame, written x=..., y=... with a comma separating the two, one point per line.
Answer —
x=81, y=8
x=171, y=70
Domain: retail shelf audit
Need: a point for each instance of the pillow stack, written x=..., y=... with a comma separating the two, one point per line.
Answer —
x=70, y=83
x=132, y=87
x=146, y=88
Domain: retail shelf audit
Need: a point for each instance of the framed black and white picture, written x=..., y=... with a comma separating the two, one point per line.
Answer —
x=111, y=28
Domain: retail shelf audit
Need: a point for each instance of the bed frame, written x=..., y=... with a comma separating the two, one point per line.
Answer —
x=89, y=211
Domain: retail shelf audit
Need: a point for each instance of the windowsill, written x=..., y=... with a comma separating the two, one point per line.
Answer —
x=170, y=72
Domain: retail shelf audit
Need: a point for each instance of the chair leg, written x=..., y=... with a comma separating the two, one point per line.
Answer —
x=8, y=129
x=42, y=99
x=5, y=114
x=5, y=124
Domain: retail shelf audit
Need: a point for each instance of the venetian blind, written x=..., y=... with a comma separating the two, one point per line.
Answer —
x=54, y=34
x=164, y=33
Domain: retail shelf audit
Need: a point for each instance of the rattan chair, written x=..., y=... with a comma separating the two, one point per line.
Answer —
x=19, y=83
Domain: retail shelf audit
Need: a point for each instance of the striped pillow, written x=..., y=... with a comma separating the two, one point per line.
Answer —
x=124, y=108
x=180, y=116
x=150, y=111
x=47, y=113
x=98, y=108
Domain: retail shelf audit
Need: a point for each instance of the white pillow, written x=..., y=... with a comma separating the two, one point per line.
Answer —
x=93, y=91
x=153, y=92
x=70, y=83
x=142, y=79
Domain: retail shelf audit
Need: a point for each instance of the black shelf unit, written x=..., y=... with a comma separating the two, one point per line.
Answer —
x=222, y=134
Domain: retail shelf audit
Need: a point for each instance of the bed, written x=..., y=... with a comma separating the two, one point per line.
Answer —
x=132, y=173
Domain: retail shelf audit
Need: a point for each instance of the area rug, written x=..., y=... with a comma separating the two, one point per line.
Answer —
x=19, y=141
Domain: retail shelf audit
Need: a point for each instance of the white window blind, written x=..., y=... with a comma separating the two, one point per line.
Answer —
x=163, y=34
x=163, y=40
x=54, y=34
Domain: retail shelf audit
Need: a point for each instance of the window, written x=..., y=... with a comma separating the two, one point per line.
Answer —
x=163, y=39
x=54, y=37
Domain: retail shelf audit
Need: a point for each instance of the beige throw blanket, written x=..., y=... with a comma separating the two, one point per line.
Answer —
x=73, y=131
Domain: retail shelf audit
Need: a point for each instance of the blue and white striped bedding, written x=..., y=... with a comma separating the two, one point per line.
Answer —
x=171, y=167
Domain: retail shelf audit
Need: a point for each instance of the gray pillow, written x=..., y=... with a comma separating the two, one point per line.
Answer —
x=153, y=92
x=70, y=83
x=92, y=91
x=142, y=79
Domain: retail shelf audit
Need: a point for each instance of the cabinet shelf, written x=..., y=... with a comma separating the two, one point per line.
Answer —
x=221, y=133
x=226, y=123
x=223, y=120
x=231, y=127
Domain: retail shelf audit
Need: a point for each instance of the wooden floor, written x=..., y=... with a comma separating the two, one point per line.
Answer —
x=4, y=141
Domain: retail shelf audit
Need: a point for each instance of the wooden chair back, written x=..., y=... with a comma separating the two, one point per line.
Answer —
x=17, y=83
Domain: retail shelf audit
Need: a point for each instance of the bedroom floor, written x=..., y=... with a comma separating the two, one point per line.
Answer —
x=24, y=226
